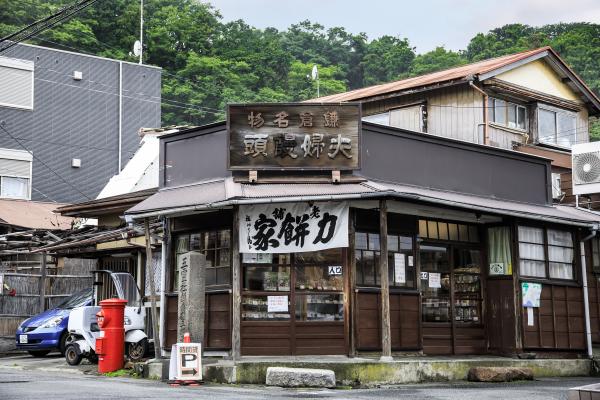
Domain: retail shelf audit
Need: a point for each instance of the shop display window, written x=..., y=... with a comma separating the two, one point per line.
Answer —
x=318, y=278
x=319, y=307
x=401, y=264
x=313, y=280
x=264, y=308
x=266, y=278
x=467, y=285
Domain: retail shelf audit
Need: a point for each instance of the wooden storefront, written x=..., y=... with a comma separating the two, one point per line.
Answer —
x=462, y=309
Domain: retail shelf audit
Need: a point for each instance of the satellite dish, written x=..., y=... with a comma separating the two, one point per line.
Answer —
x=137, y=48
x=315, y=72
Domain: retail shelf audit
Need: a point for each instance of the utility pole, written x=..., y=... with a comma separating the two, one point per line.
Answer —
x=141, y=31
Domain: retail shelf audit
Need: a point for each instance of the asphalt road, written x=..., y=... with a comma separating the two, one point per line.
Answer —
x=25, y=378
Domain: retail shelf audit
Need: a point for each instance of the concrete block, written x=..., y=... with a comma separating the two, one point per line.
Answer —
x=300, y=377
x=156, y=369
x=499, y=374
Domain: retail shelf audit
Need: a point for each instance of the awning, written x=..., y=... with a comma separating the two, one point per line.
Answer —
x=223, y=193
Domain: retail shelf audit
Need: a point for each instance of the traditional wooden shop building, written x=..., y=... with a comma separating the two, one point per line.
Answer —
x=324, y=235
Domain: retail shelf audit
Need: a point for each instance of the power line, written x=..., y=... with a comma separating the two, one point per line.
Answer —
x=43, y=163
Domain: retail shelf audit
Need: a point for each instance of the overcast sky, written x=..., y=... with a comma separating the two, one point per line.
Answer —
x=426, y=23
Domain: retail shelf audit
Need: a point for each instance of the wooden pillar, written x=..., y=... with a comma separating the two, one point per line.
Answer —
x=236, y=286
x=157, y=352
x=351, y=284
x=42, y=283
x=386, y=340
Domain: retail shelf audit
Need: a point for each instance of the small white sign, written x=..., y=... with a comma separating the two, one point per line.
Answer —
x=23, y=339
x=411, y=261
x=434, y=280
x=334, y=270
x=529, y=316
x=496, y=268
x=186, y=362
x=277, y=303
x=399, y=268
x=424, y=275
x=257, y=258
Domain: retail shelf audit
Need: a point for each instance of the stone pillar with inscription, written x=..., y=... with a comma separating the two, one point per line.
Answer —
x=192, y=298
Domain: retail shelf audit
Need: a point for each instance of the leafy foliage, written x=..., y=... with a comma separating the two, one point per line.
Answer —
x=207, y=63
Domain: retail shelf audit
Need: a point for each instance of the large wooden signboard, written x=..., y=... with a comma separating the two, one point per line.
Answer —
x=294, y=136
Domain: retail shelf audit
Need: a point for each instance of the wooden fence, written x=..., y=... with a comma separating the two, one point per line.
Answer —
x=34, y=284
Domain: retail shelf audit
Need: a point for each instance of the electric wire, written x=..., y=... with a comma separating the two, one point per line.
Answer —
x=44, y=164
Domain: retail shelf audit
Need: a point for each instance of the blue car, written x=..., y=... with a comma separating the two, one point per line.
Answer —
x=42, y=333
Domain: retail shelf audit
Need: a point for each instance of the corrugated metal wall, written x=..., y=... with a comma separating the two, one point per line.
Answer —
x=79, y=119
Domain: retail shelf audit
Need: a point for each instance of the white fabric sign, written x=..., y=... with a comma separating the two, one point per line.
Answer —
x=293, y=227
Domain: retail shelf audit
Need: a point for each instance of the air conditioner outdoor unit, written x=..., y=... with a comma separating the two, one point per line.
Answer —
x=585, y=159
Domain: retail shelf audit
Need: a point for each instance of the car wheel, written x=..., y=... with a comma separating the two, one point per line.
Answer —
x=72, y=355
x=39, y=353
x=62, y=343
x=137, y=351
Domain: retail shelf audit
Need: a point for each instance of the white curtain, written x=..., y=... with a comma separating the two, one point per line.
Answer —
x=499, y=247
x=16, y=188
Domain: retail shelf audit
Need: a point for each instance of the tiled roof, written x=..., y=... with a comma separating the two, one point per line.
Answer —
x=32, y=214
x=226, y=192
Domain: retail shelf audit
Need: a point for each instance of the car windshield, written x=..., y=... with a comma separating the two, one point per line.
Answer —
x=77, y=300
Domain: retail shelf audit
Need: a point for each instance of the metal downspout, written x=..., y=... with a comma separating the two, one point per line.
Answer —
x=163, y=285
x=120, y=112
x=586, y=304
x=486, y=135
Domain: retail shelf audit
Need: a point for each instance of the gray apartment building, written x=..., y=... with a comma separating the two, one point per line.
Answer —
x=78, y=114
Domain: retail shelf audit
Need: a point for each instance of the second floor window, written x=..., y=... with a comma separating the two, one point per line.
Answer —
x=557, y=127
x=507, y=114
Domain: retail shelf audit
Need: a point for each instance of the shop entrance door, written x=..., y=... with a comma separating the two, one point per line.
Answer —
x=451, y=309
x=293, y=304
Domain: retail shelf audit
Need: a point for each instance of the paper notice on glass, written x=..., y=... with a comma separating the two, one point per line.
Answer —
x=531, y=293
x=257, y=258
x=529, y=316
x=434, y=280
x=277, y=303
x=399, y=268
x=411, y=261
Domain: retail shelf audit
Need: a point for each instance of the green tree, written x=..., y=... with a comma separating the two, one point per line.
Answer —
x=436, y=60
x=387, y=59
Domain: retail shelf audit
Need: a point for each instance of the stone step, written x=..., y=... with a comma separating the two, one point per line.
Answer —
x=499, y=374
x=300, y=377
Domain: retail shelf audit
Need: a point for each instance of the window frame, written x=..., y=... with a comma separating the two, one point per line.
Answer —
x=23, y=65
x=27, y=195
x=377, y=253
x=556, y=111
x=546, y=260
x=492, y=114
x=595, y=242
x=215, y=249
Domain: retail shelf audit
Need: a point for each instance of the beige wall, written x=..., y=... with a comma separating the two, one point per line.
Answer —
x=540, y=77
x=454, y=112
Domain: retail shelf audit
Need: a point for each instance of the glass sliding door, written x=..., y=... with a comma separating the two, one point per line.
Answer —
x=435, y=283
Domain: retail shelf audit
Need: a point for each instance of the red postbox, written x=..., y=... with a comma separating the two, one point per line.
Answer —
x=110, y=346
